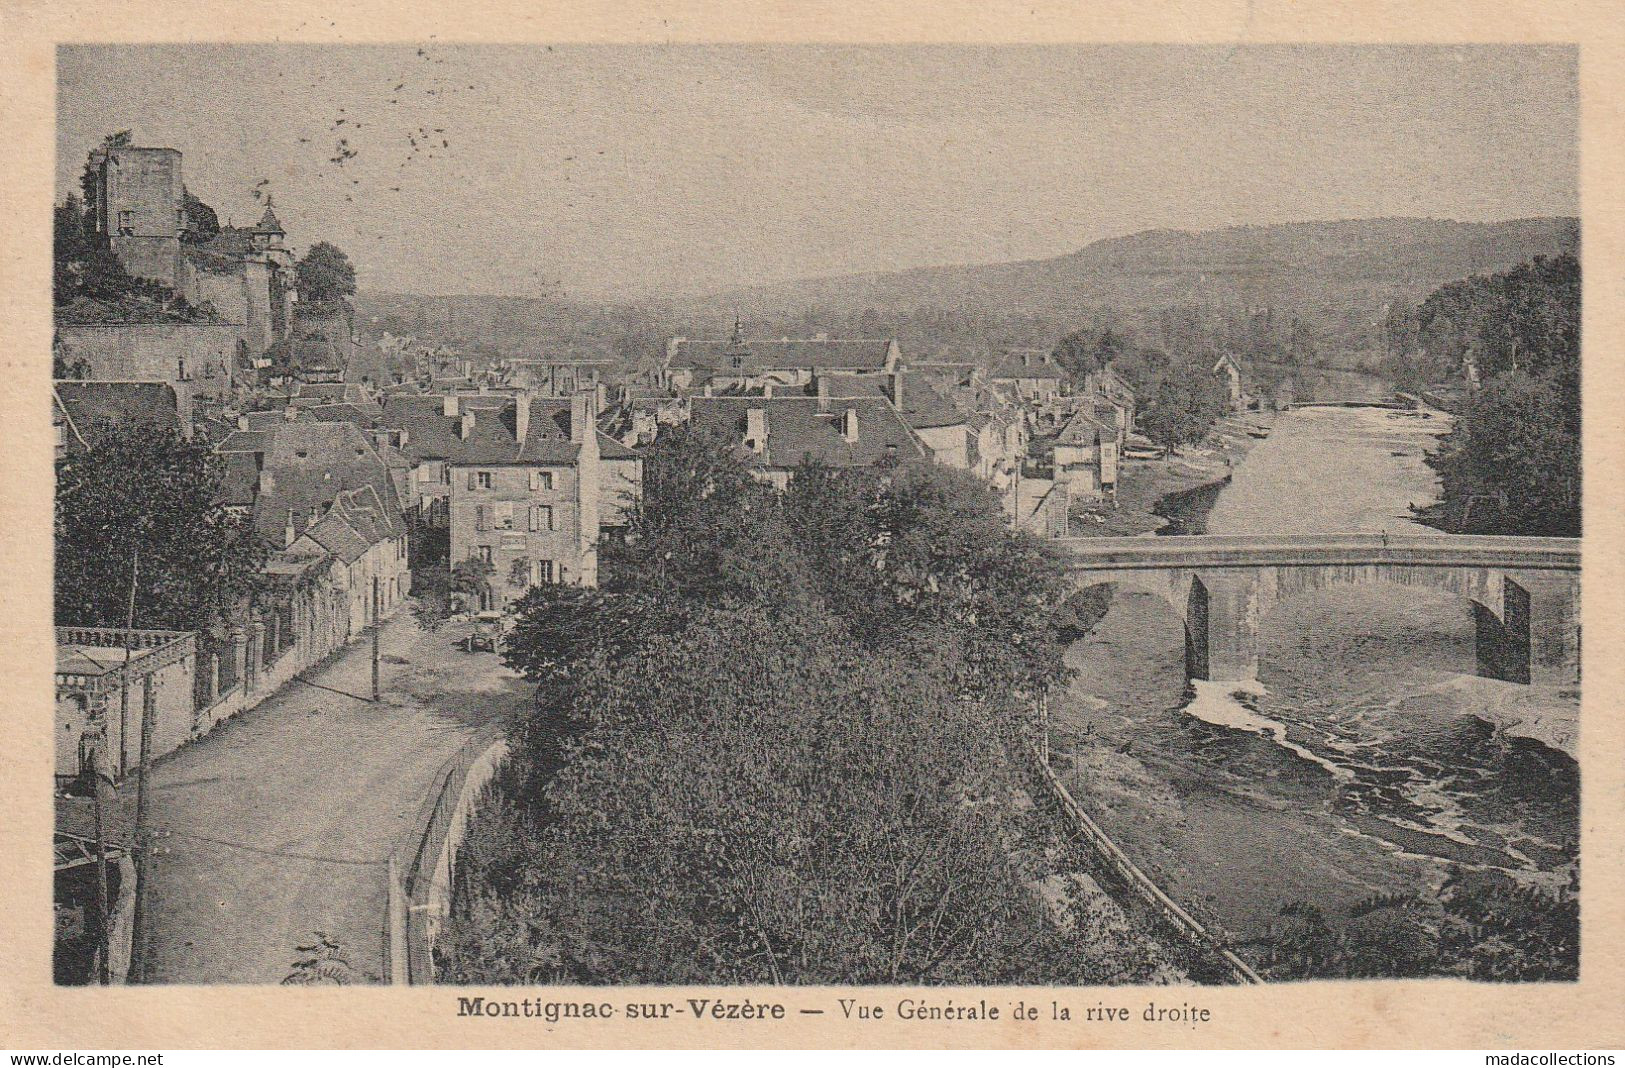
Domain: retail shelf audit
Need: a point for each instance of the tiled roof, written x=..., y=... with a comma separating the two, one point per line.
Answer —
x=801, y=428
x=330, y=393
x=94, y=408
x=306, y=466
x=1027, y=364
x=334, y=533
x=433, y=435
x=817, y=354
x=610, y=449
x=923, y=406
x=1084, y=428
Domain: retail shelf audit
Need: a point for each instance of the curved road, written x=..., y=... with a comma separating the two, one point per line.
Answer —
x=279, y=824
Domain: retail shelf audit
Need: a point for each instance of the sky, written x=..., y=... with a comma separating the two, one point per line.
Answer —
x=595, y=172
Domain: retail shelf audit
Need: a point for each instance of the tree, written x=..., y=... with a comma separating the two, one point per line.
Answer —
x=148, y=497
x=1511, y=462
x=1187, y=400
x=734, y=773
x=755, y=800
x=1083, y=352
x=325, y=275
x=202, y=223
x=705, y=531
x=921, y=557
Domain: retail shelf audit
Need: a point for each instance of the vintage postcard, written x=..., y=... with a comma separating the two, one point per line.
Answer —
x=740, y=528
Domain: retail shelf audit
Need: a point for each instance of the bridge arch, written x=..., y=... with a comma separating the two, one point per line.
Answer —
x=1524, y=591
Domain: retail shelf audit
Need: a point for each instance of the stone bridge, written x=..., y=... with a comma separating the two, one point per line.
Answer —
x=1525, y=592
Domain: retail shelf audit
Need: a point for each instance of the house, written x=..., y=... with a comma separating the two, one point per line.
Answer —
x=1231, y=370
x=559, y=376
x=1033, y=374
x=775, y=435
x=426, y=429
x=943, y=427
x=737, y=364
x=997, y=446
x=524, y=492
x=636, y=420
x=367, y=546
x=294, y=475
x=1107, y=385
x=620, y=483
x=83, y=413
x=1040, y=506
x=1086, y=454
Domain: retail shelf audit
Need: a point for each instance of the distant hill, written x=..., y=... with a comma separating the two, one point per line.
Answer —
x=1350, y=264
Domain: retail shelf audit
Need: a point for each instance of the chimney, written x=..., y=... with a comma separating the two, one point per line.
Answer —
x=448, y=406
x=767, y=390
x=267, y=481
x=897, y=389
x=466, y=426
x=289, y=414
x=289, y=533
x=823, y=391
x=582, y=415
x=521, y=416
x=849, y=426
x=242, y=421
x=756, y=430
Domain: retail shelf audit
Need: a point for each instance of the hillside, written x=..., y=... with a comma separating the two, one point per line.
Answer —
x=1349, y=264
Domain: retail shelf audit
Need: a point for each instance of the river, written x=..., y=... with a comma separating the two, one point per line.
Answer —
x=1367, y=761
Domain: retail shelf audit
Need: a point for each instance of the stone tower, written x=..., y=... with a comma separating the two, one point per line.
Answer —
x=139, y=206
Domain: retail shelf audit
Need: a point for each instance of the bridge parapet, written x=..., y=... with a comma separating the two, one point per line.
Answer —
x=1525, y=591
x=1321, y=550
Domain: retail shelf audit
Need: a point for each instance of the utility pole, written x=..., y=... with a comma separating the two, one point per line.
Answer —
x=142, y=842
x=103, y=973
x=124, y=683
x=377, y=626
x=1043, y=726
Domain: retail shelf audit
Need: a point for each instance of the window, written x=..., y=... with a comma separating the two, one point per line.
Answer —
x=544, y=571
x=126, y=223
x=479, y=517
x=484, y=480
x=503, y=513
x=484, y=554
x=541, y=480
x=541, y=517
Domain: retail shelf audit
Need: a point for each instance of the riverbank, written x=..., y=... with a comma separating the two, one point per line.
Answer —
x=1172, y=495
x=1367, y=762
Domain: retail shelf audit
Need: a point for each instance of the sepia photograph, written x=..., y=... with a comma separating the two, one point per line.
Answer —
x=707, y=527
x=904, y=515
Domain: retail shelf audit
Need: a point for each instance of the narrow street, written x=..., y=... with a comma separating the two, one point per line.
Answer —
x=279, y=824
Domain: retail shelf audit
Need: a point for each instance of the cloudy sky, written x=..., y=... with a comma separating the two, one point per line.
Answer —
x=622, y=171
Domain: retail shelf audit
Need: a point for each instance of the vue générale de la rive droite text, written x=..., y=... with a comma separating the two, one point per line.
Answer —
x=913, y=1009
